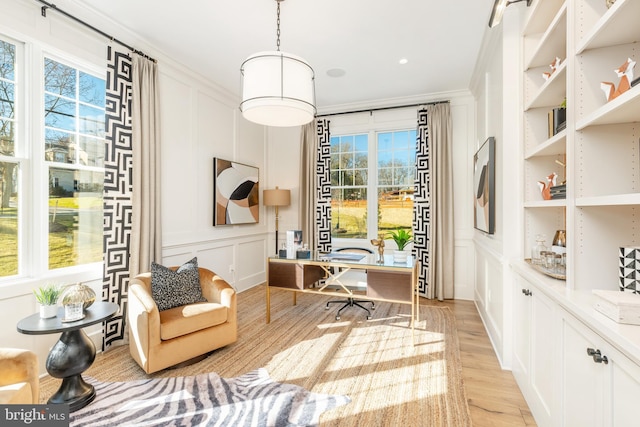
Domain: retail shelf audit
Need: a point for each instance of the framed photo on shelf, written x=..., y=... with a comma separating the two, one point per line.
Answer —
x=235, y=193
x=484, y=206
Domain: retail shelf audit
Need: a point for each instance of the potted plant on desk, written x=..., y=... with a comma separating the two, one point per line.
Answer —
x=47, y=296
x=402, y=237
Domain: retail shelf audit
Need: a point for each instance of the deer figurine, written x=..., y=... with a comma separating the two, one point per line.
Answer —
x=379, y=242
x=545, y=188
x=625, y=72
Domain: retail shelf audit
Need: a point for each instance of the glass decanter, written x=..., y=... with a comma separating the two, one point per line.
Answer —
x=538, y=248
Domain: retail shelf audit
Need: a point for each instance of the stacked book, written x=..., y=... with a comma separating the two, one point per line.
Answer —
x=558, y=192
x=557, y=121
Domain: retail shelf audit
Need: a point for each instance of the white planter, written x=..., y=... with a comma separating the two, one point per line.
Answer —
x=400, y=257
x=48, y=311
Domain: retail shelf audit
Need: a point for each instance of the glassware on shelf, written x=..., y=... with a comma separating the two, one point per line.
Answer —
x=536, y=256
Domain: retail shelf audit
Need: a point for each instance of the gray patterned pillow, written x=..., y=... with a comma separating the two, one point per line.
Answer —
x=176, y=288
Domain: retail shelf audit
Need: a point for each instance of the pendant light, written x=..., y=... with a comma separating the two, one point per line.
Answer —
x=277, y=87
x=498, y=10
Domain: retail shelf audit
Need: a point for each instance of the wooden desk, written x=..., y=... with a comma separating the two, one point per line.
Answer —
x=389, y=282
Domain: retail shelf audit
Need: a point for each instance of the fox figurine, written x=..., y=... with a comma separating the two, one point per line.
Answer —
x=625, y=72
x=545, y=188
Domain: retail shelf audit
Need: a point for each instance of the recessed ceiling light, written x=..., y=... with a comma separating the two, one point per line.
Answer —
x=336, y=72
x=403, y=61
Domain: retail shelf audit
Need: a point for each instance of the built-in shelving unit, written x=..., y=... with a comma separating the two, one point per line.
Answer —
x=544, y=41
x=554, y=322
x=600, y=146
x=606, y=166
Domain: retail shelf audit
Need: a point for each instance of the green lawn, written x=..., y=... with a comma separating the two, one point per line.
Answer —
x=67, y=246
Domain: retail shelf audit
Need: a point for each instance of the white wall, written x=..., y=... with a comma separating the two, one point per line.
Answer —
x=496, y=87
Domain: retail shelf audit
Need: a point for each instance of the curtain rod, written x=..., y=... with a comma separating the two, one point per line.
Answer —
x=47, y=5
x=371, y=110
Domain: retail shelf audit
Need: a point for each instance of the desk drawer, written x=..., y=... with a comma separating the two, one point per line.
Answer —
x=294, y=276
x=389, y=285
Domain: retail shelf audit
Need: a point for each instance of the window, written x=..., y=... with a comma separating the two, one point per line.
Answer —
x=386, y=169
x=74, y=155
x=51, y=176
x=9, y=165
x=349, y=171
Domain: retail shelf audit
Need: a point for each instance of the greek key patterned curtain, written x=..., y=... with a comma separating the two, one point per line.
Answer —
x=315, y=185
x=433, y=202
x=131, y=222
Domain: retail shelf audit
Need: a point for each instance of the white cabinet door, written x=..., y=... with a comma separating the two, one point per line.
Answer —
x=521, y=331
x=624, y=376
x=601, y=385
x=583, y=379
x=544, y=359
x=535, y=344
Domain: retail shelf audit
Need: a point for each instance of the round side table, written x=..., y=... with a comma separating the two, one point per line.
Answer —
x=73, y=353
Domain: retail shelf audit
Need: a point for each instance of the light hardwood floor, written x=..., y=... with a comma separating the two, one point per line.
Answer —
x=494, y=397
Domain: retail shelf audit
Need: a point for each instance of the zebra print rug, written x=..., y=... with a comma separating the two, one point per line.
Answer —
x=253, y=399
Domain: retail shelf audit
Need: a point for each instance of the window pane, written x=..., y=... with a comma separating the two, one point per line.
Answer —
x=349, y=165
x=91, y=151
x=349, y=213
x=91, y=120
x=396, y=162
x=57, y=145
x=92, y=89
x=7, y=138
x=362, y=143
x=8, y=219
x=396, y=208
x=400, y=140
x=7, y=60
x=59, y=113
x=75, y=217
x=59, y=79
x=7, y=99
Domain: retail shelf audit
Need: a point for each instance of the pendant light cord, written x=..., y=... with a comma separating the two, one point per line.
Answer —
x=278, y=25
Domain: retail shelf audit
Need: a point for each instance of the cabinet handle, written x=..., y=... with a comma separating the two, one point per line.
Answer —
x=597, y=356
x=527, y=292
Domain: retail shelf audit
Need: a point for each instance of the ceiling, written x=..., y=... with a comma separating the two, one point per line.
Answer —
x=365, y=38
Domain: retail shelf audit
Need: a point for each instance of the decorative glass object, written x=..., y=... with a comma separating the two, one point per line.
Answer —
x=73, y=311
x=559, y=244
x=79, y=293
x=537, y=249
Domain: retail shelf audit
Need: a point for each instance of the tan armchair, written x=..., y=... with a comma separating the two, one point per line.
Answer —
x=19, y=382
x=160, y=339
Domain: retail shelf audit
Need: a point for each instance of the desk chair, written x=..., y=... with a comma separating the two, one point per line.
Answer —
x=353, y=277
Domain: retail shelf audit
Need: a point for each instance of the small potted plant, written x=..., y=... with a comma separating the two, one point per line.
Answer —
x=402, y=237
x=47, y=296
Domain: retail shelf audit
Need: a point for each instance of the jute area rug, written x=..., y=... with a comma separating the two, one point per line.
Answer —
x=390, y=381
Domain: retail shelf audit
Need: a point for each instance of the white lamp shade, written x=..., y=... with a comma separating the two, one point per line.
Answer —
x=277, y=89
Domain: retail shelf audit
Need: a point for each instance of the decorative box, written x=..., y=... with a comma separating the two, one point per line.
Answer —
x=623, y=307
x=303, y=254
x=629, y=268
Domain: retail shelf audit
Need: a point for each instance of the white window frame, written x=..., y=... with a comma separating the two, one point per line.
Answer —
x=33, y=201
x=371, y=123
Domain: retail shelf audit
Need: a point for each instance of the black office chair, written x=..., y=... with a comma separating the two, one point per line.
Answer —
x=351, y=301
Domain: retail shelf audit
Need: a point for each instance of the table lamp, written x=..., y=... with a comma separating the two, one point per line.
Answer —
x=277, y=198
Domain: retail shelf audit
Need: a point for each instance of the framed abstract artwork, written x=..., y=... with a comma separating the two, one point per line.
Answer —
x=484, y=206
x=235, y=193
